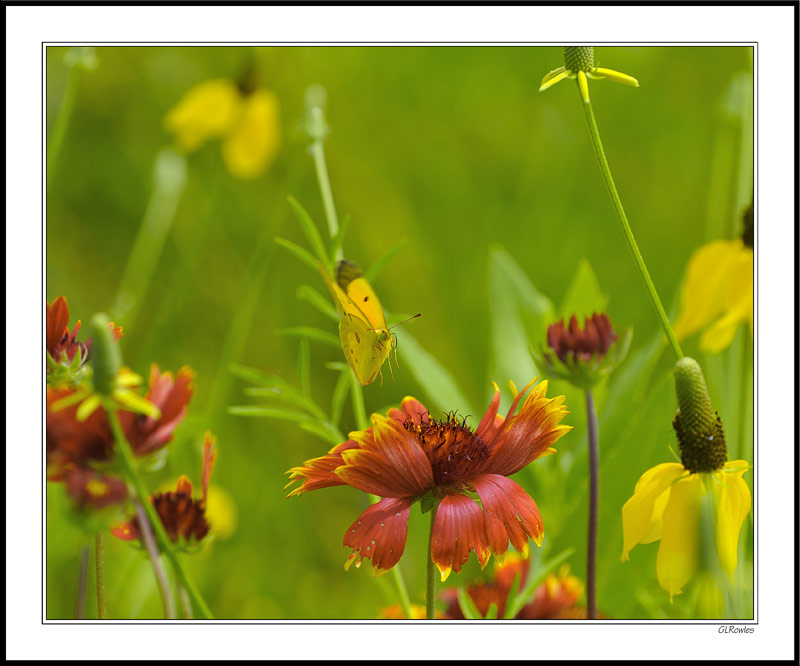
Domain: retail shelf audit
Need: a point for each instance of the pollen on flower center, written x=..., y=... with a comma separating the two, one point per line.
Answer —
x=454, y=451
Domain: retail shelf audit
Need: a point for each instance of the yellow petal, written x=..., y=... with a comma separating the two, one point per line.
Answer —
x=87, y=407
x=680, y=535
x=554, y=77
x=583, y=85
x=253, y=144
x=639, y=511
x=732, y=500
x=705, y=291
x=206, y=111
x=619, y=77
x=737, y=300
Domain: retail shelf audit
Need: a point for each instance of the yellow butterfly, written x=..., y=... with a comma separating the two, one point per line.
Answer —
x=366, y=341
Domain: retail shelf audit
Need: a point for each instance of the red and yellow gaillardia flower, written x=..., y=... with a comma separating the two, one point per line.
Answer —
x=408, y=456
x=183, y=516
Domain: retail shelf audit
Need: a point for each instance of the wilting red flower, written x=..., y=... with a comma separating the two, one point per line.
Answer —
x=60, y=340
x=91, y=489
x=594, y=338
x=91, y=440
x=409, y=456
x=184, y=517
x=557, y=593
x=146, y=434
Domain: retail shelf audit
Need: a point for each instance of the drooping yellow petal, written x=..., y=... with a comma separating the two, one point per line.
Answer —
x=583, y=85
x=638, y=512
x=619, y=77
x=654, y=529
x=704, y=295
x=732, y=501
x=737, y=299
x=206, y=111
x=87, y=407
x=253, y=144
x=679, y=551
x=554, y=77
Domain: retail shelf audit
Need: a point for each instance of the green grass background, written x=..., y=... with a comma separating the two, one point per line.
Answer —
x=454, y=150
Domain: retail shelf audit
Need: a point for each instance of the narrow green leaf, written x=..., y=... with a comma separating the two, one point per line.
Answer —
x=293, y=398
x=437, y=383
x=491, y=613
x=583, y=297
x=519, y=316
x=310, y=230
x=324, y=431
x=268, y=413
x=512, y=594
x=301, y=253
x=311, y=333
x=373, y=271
x=468, y=608
x=526, y=596
x=253, y=375
x=306, y=293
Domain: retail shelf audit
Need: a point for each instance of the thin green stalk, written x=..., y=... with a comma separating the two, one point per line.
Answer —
x=186, y=604
x=430, y=588
x=155, y=561
x=594, y=485
x=626, y=229
x=129, y=467
x=169, y=180
x=61, y=123
x=83, y=579
x=99, y=575
x=318, y=153
x=744, y=408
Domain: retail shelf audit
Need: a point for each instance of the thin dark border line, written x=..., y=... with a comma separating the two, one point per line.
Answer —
x=754, y=622
x=413, y=3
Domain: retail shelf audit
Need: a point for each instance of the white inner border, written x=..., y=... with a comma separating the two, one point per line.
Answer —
x=770, y=27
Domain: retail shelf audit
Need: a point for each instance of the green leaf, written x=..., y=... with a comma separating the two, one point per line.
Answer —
x=324, y=431
x=491, y=613
x=468, y=608
x=293, y=398
x=512, y=594
x=304, y=368
x=527, y=594
x=518, y=316
x=437, y=383
x=310, y=230
x=301, y=253
x=380, y=264
x=306, y=293
x=340, y=392
x=258, y=411
x=583, y=297
x=311, y=333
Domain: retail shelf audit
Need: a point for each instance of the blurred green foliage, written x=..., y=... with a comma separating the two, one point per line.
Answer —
x=496, y=190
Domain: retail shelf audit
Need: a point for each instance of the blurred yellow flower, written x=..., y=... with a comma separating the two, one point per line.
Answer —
x=246, y=121
x=717, y=294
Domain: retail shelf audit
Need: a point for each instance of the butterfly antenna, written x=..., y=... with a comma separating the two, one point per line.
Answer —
x=419, y=314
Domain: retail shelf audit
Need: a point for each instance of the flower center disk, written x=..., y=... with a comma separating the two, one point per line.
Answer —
x=456, y=454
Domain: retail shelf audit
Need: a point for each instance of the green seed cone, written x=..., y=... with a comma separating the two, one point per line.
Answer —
x=106, y=357
x=579, y=58
x=698, y=427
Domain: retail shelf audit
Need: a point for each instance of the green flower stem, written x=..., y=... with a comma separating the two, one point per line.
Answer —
x=83, y=579
x=318, y=153
x=129, y=467
x=594, y=486
x=99, y=573
x=61, y=123
x=155, y=561
x=626, y=229
x=186, y=604
x=430, y=588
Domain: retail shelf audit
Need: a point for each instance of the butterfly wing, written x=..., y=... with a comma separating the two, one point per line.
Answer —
x=350, y=279
x=365, y=348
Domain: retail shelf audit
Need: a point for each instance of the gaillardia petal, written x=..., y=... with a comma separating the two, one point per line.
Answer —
x=458, y=529
x=379, y=534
